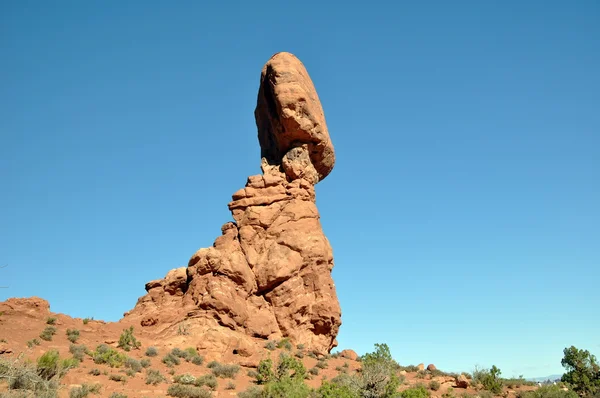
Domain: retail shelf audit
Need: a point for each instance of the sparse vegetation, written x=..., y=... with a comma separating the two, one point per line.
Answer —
x=434, y=385
x=548, y=392
x=489, y=379
x=127, y=340
x=49, y=365
x=188, y=391
x=72, y=335
x=117, y=395
x=183, y=329
x=230, y=385
x=151, y=351
x=134, y=365
x=208, y=380
x=171, y=360
x=145, y=363
x=117, y=377
x=78, y=351
x=271, y=345
x=95, y=372
x=223, y=370
x=321, y=364
x=107, y=355
x=154, y=377
x=285, y=343
x=23, y=376
x=87, y=320
x=314, y=371
x=415, y=392
x=84, y=390
x=32, y=343
x=47, y=333
x=51, y=321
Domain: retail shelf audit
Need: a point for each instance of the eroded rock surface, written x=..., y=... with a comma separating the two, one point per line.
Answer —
x=268, y=275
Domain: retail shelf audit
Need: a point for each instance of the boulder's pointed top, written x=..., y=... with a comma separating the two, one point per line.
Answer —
x=291, y=125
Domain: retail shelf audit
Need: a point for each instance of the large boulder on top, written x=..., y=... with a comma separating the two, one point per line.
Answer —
x=291, y=125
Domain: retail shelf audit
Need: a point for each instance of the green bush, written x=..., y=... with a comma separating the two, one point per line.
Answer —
x=223, y=370
x=285, y=343
x=84, y=390
x=109, y=356
x=378, y=373
x=48, y=365
x=271, y=345
x=133, y=364
x=127, y=340
x=184, y=379
x=416, y=392
x=154, y=377
x=24, y=376
x=321, y=364
x=145, y=363
x=230, y=385
x=73, y=335
x=333, y=390
x=78, y=351
x=583, y=371
x=95, y=372
x=47, y=333
x=208, y=380
x=548, y=392
x=87, y=320
x=197, y=360
x=32, y=343
x=117, y=395
x=117, y=377
x=187, y=391
x=264, y=372
x=314, y=371
x=51, y=321
x=434, y=385
x=287, y=380
x=489, y=379
x=171, y=360
x=251, y=392
x=151, y=352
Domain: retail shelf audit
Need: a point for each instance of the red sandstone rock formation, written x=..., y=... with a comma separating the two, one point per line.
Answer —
x=269, y=274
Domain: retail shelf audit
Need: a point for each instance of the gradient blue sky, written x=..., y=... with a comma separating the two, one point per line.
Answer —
x=464, y=208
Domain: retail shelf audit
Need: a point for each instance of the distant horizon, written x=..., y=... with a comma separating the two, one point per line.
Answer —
x=462, y=210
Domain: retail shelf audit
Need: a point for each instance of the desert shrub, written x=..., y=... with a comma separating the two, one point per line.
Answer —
x=312, y=354
x=109, y=356
x=184, y=379
x=95, y=372
x=264, y=372
x=299, y=354
x=151, y=352
x=117, y=395
x=285, y=343
x=48, y=365
x=271, y=345
x=51, y=320
x=23, y=376
x=314, y=371
x=230, y=385
x=130, y=372
x=127, y=340
x=133, y=364
x=548, y=392
x=583, y=371
x=378, y=376
x=489, y=379
x=87, y=320
x=434, y=385
x=197, y=360
x=333, y=390
x=84, y=390
x=171, y=360
x=145, y=363
x=183, y=329
x=321, y=364
x=78, y=351
x=117, y=377
x=421, y=374
x=187, y=391
x=224, y=371
x=32, y=343
x=72, y=335
x=208, y=380
x=47, y=333
x=154, y=377
x=251, y=392
x=415, y=392
x=300, y=347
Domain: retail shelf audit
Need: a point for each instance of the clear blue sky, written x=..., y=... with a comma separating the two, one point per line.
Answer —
x=464, y=208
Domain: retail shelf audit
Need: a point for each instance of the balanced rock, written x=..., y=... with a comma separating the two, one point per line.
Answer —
x=291, y=125
x=431, y=367
x=268, y=275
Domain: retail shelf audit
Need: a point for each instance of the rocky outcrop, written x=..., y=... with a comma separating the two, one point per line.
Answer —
x=291, y=125
x=269, y=273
